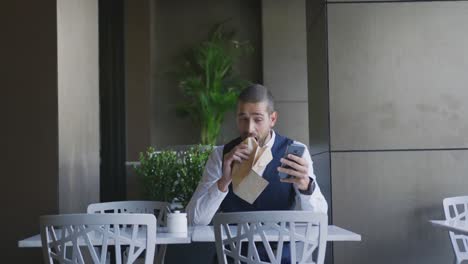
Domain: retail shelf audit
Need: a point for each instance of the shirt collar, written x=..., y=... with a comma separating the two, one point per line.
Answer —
x=270, y=142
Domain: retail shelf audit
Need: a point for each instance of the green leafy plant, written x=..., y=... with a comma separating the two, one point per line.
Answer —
x=208, y=82
x=172, y=176
x=158, y=174
x=192, y=165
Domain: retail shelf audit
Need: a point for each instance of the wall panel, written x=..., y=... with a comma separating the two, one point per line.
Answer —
x=284, y=40
x=388, y=198
x=398, y=69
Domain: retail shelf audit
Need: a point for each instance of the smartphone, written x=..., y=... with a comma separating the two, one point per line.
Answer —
x=296, y=150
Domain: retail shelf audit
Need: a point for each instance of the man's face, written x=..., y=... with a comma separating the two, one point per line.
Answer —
x=253, y=120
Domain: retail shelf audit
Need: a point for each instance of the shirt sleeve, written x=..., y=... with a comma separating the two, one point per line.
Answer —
x=207, y=197
x=310, y=202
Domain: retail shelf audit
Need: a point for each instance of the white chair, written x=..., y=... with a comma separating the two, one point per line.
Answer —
x=456, y=208
x=90, y=235
x=159, y=209
x=305, y=231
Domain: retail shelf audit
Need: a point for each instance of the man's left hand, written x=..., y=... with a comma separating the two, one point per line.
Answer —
x=299, y=170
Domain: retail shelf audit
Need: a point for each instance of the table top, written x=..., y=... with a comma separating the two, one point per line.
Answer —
x=459, y=226
x=204, y=234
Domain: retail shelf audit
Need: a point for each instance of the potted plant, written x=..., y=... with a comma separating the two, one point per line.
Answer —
x=157, y=174
x=192, y=164
x=172, y=176
x=208, y=82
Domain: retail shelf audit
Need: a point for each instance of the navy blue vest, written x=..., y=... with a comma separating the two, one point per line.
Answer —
x=276, y=196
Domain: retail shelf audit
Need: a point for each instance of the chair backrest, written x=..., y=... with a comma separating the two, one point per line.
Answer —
x=90, y=235
x=240, y=235
x=159, y=209
x=456, y=208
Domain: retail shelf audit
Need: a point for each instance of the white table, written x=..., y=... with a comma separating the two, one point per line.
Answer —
x=458, y=226
x=335, y=233
x=204, y=234
x=162, y=238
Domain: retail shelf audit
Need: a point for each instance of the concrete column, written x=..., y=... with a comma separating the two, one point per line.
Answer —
x=78, y=104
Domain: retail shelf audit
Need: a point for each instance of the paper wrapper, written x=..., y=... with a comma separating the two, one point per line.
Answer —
x=246, y=180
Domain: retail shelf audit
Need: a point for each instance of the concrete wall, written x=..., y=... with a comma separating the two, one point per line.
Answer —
x=138, y=75
x=397, y=76
x=285, y=67
x=178, y=26
x=78, y=103
x=317, y=77
x=318, y=107
x=29, y=130
x=284, y=41
x=154, y=50
x=43, y=62
x=317, y=73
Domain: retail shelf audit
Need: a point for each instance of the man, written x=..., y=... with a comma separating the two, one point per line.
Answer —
x=256, y=118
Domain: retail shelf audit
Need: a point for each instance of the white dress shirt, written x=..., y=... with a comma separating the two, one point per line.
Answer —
x=207, y=197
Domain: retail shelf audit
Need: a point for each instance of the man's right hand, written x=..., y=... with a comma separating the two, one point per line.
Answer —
x=238, y=154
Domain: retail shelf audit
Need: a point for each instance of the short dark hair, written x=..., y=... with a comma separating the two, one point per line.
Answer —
x=256, y=93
